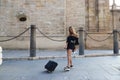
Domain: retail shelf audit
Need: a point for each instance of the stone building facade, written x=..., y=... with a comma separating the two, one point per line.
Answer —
x=98, y=15
x=53, y=17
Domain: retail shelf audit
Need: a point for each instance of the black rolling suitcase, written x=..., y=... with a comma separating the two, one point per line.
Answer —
x=51, y=65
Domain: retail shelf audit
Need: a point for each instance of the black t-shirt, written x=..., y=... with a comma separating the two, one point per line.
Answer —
x=71, y=42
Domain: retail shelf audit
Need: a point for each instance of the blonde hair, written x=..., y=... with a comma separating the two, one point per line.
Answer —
x=72, y=32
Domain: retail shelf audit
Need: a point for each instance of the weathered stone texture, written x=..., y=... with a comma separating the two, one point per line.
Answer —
x=116, y=21
x=75, y=13
x=47, y=15
x=52, y=17
x=99, y=15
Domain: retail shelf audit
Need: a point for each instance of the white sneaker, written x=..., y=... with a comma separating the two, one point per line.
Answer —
x=75, y=53
x=67, y=68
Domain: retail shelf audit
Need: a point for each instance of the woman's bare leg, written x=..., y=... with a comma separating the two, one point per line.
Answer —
x=69, y=58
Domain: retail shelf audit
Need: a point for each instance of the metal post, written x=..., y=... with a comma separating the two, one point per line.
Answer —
x=81, y=41
x=115, y=42
x=33, y=41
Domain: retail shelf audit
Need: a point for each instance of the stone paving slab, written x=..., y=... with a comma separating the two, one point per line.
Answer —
x=51, y=54
x=47, y=53
x=90, y=68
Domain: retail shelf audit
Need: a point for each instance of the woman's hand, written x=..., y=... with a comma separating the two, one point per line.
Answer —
x=65, y=47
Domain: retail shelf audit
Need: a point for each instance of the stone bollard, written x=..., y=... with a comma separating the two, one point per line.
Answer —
x=0, y=55
x=81, y=41
x=33, y=41
x=115, y=42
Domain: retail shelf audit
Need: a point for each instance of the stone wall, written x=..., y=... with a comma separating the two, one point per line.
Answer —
x=52, y=17
x=115, y=19
x=98, y=16
x=75, y=13
x=48, y=15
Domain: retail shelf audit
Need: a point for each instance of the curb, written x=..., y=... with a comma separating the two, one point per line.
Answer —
x=54, y=57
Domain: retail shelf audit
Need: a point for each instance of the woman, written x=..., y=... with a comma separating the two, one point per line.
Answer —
x=71, y=42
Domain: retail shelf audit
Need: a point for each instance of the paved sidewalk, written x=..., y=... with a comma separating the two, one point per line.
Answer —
x=85, y=68
x=90, y=68
x=43, y=54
